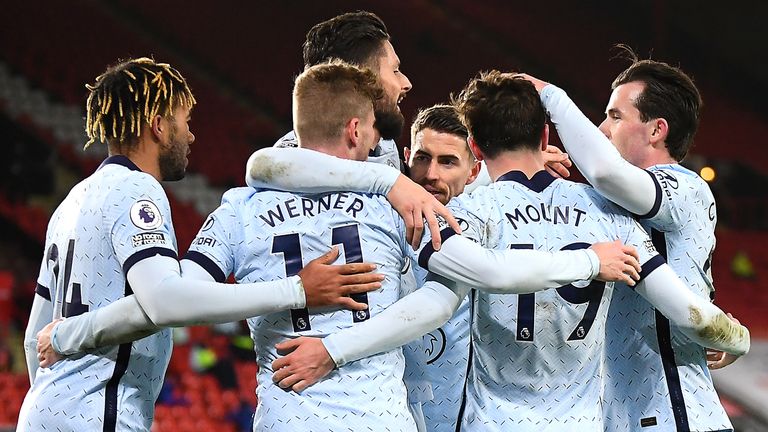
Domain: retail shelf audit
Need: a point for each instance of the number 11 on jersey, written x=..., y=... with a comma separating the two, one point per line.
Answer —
x=290, y=246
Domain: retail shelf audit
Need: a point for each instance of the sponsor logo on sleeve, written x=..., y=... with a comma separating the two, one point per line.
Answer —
x=208, y=223
x=648, y=244
x=146, y=215
x=144, y=239
x=667, y=181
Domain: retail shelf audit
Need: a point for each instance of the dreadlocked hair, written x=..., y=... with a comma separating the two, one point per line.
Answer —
x=131, y=93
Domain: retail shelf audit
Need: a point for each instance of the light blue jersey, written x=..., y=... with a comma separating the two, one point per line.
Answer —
x=537, y=358
x=267, y=235
x=108, y=222
x=436, y=367
x=656, y=378
x=445, y=362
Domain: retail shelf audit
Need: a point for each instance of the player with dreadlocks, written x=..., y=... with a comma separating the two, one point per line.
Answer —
x=110, y=260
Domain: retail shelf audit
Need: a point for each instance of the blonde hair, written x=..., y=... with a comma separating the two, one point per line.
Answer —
x=328, y=95
x=130, y=94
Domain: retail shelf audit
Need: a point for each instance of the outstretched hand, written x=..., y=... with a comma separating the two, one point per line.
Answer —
x=415, y=204
x=331, y=285
x=618, y=262
x=307, y=363
x=46, y=355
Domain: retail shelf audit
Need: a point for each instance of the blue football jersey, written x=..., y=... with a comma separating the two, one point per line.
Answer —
x=536, y=360
x=266, y=235
x=108, y=222
x=656, y=378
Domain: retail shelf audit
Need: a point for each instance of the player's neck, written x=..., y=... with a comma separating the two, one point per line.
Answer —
x=144, y=155
x=657, y=157
x=526, y=161
x=337, y=149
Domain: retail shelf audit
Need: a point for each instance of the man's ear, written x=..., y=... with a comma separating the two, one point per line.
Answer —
x=158, y=125
x=474, y=172
x=479, y=156
x=660, y=131
x=352, y=132
x=407, y=154
x=545, y=137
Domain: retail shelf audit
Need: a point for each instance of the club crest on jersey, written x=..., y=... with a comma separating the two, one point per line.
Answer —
x=434, y=345
x=146, y=215
x=649, y=247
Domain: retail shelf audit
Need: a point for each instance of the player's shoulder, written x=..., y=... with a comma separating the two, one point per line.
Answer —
x=591, y=200
x=240, y=195
x=676, y=176
x=122, y=186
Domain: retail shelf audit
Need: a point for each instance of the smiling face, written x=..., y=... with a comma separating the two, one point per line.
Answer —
x=389, y=118
x=174, y=151
x=441, y=162
x=623, y=125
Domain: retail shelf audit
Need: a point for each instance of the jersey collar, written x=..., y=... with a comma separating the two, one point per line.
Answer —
x=540, y=181
x=119, y=160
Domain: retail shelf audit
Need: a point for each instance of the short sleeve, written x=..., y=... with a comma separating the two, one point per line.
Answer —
x=678, y=195
x=45, y=278
x=213, y=248
x=140, y=226
x=470, y=219
x=632, y=233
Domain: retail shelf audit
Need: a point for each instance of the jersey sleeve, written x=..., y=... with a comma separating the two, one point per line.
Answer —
x=303, y=170
x=470, y=218
x=672, y=190
x=632, y=233
x=45, y=277
x=141, y=227
x=214, y=247
x=600, y=162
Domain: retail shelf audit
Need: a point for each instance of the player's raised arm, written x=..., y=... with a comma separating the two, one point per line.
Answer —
x=695, y=316
x=627, y=185
x=303, y=170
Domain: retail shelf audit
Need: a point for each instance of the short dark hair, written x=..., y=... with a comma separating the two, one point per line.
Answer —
x=440, y=118
x=501, y=112
x=669, y=94
x=354, y=37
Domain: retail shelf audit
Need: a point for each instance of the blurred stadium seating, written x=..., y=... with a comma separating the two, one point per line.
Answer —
x=240, y=60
